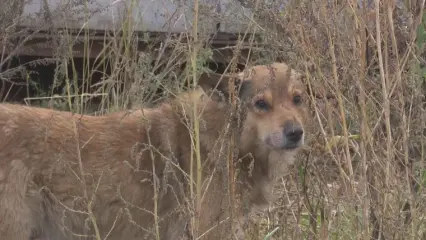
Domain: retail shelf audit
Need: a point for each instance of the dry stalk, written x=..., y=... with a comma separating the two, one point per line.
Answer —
x=362, y=45
x=404, y=127
x=196, y=126
x=156, y=186
x=386, y=109
x=341, y=107
x=83, y=180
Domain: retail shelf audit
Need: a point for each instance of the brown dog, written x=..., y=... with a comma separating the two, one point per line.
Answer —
x=126, y=175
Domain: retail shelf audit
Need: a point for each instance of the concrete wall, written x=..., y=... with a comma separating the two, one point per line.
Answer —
x=147, y=15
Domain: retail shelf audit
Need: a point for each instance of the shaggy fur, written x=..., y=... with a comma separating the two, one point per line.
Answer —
x=65, y=176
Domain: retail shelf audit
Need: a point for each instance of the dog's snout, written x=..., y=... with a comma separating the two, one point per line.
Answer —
x=293, y=132
x=289, y=137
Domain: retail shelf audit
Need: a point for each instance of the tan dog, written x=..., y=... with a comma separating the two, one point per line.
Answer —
x=125, y=175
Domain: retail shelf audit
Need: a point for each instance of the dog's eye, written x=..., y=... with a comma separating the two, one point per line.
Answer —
x=261, y=104
x=297, y=99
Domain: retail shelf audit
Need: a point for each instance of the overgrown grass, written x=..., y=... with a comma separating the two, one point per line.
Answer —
x=363, y=174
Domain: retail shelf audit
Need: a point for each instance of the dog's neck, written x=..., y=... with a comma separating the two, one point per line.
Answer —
x=264, y=166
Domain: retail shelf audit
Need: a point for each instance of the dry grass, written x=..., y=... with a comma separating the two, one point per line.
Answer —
x=363, y=175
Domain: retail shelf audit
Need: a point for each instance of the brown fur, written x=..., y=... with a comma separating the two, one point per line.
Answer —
x=54, y=166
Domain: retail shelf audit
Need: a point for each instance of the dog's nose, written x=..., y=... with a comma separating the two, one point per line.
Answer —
x=293, y=132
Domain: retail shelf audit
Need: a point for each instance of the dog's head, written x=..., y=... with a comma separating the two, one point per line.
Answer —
x=274, y=99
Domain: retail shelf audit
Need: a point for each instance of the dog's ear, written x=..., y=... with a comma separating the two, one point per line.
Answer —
x=218, y=85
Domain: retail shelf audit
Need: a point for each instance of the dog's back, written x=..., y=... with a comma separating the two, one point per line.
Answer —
x=96, y=168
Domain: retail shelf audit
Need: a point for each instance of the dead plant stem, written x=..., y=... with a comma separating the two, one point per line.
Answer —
x=83, y=181
x=386, y=108
x=196, y=121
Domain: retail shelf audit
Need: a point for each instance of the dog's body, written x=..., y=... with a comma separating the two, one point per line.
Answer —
x=61, y=173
